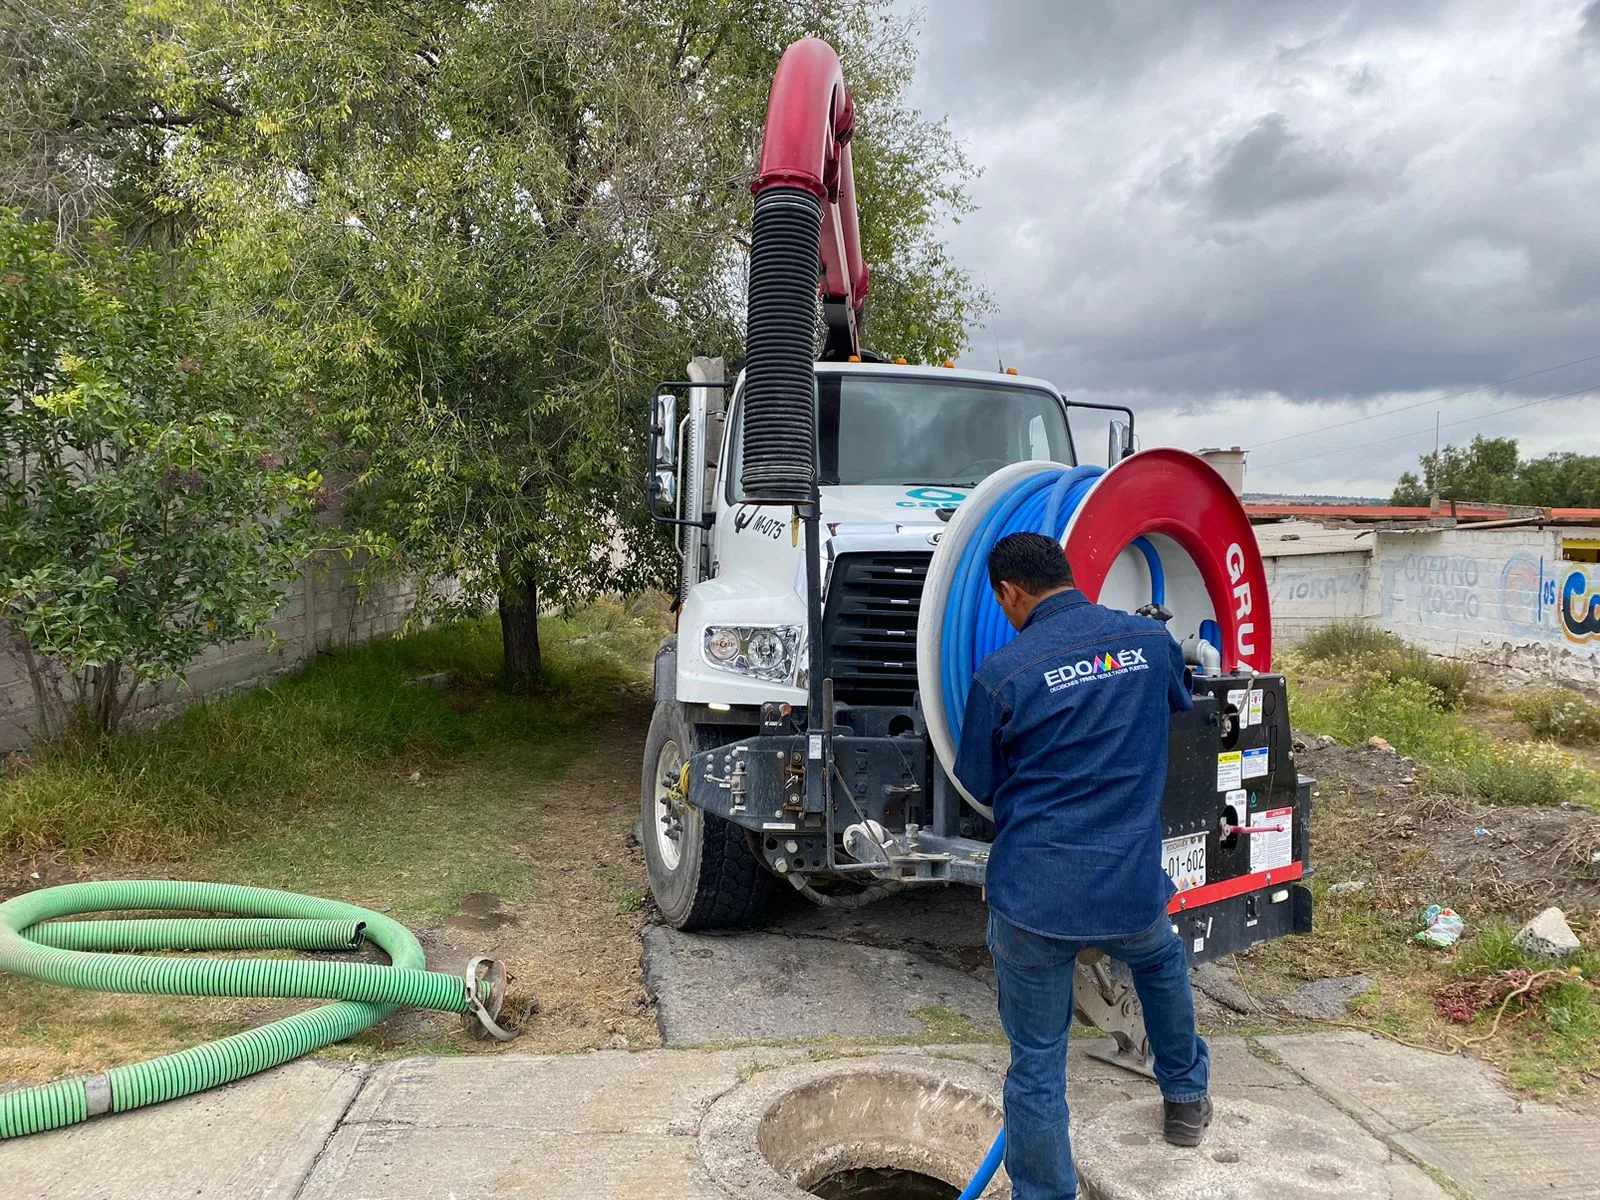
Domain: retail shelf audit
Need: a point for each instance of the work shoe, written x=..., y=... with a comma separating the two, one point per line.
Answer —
x=1185, y=1124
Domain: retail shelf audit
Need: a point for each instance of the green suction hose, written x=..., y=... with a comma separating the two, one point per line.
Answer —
x=69, y=953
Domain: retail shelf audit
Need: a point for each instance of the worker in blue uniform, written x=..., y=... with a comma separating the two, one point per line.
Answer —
x=1066, y=736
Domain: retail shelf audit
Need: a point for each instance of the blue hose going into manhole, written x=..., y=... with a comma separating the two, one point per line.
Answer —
x=991, y=1164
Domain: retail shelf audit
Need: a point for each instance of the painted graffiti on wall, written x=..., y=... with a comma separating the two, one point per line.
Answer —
x=1527, y=591
x=1536, y=596
x=1580, y=606
x=1309, y=586
x=1440, y=587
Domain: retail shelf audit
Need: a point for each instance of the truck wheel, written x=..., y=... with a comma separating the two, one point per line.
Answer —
x=703, y=873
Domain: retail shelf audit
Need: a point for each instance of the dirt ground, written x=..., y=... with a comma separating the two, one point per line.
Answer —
x=569, y=939
x=573, y=946
x=1380, y=823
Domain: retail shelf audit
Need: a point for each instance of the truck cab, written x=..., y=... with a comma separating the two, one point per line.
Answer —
x=899, y=448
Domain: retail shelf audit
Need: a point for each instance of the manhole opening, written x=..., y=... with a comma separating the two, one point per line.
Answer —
x=883, y=1183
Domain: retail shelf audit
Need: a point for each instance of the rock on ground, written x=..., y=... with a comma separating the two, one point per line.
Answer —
x=1548, y=936
x=1325, y=999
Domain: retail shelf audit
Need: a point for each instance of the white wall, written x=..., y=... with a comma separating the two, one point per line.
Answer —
x=1491, y=595
x=1309, y=591
x=1482, y=595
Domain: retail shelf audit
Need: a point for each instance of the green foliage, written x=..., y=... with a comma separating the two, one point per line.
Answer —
x=484, y=231
x=1489, y=471
x=1348, y=641
x=80, y=138
x=1559, y=714
x=1565, y=1018
x=145, y=511
x=1411, y=717
x=1368, y=650
x=314, y=740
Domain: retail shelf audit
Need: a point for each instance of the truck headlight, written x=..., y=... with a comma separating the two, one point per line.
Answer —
x=760, y=651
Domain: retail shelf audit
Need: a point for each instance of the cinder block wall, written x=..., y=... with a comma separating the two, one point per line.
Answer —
x=1309, y=591
x=324, y=609
x=1508, y=597
x=1492, y=595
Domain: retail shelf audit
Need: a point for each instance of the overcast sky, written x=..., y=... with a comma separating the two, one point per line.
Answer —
x=1255, y=219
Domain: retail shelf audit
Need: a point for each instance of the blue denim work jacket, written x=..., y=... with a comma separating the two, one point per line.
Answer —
x=1066, y=736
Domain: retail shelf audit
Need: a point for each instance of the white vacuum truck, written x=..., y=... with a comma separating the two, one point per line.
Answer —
x=831, y=510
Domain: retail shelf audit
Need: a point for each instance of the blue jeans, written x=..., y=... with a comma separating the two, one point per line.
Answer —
x=1034, y=977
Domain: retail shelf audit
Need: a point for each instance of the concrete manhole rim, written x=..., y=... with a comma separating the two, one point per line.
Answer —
x=728, y=1141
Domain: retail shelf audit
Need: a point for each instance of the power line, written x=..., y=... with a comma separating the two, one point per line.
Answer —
x=1389, y=412
x=1416, y=432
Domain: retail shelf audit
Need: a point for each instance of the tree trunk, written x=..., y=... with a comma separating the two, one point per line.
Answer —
x=519, y=631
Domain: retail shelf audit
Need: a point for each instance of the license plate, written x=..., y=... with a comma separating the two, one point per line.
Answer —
x=1185, y=860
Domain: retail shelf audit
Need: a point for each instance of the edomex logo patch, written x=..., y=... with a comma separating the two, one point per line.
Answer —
x=1100, y=666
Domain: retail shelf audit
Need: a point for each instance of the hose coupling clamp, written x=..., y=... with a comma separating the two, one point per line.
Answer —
x=486, y=980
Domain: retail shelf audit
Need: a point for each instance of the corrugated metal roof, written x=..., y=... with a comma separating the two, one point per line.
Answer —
x=1465, y=514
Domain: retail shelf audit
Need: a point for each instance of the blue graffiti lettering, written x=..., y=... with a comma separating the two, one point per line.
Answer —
x=1580, y=621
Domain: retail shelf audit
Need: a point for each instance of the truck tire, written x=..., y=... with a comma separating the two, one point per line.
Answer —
x=703, y=872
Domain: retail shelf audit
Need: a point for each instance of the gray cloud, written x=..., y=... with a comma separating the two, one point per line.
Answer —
x=1312, y=208
x=1269, y=166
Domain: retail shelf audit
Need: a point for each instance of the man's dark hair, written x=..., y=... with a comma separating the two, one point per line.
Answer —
x=1033, y=562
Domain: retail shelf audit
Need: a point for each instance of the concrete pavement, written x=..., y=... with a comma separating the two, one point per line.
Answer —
x=622, y=1125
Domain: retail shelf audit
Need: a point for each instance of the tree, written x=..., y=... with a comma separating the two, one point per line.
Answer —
x=484, y=231
x=143, y=514
x=1490, y=471
x=82, y=134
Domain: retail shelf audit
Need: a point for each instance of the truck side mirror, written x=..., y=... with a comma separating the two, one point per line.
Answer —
x=663, y=490
x=664, y=433
x=1119, y=443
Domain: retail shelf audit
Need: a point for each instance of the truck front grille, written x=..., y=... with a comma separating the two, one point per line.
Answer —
x=869, y=627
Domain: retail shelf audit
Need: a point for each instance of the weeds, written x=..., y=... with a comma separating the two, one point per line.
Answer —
x=1366, y=650
x=1376, y=693
x=1333, y=642
x=1559, y=714
x=1553, y=1012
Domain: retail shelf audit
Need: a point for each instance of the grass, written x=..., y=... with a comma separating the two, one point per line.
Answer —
x=1372, y=651
x=1559, y=714
x=1355, y=683
x=1548, y=1047
x=309, y=786
x=1551, y=1047
x=311, y=743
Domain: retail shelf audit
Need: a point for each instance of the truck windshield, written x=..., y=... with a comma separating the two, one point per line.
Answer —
x=876, y=429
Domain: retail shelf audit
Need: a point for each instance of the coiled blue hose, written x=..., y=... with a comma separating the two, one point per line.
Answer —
x=974, y=626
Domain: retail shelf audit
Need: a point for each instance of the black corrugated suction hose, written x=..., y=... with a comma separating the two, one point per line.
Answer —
x=780, y=328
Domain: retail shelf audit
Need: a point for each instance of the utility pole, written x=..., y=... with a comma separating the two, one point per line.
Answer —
x=1433, y=503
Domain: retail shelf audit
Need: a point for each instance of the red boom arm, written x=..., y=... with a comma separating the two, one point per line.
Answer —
x=810, y=118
